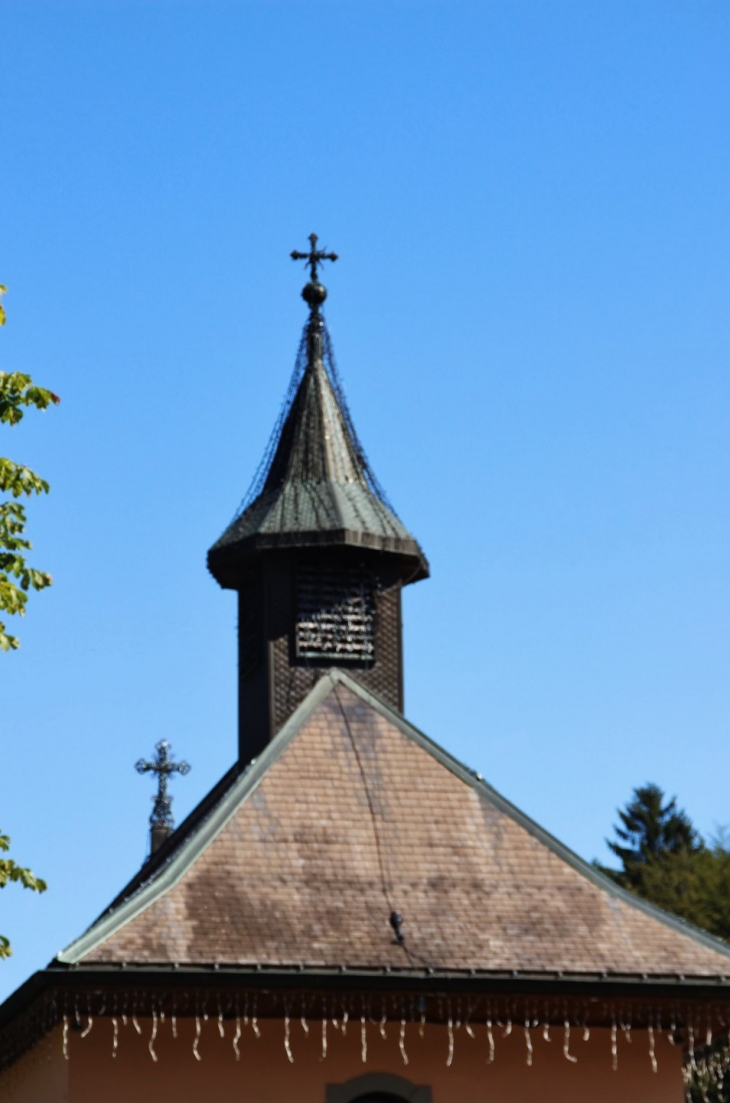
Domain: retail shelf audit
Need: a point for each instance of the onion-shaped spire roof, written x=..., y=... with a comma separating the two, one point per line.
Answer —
x=314, y=487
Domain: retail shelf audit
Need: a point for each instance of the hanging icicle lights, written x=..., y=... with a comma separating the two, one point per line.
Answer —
x=700, y=1029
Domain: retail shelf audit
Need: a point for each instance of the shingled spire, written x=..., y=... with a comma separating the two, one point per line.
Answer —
x=317, y=554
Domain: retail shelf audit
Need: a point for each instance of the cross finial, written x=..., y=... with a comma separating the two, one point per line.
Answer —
x=314, y=257
x=163, y=766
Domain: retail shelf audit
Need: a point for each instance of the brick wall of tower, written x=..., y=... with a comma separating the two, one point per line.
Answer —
x=273, y=681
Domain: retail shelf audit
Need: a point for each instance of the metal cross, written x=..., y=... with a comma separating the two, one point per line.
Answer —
x=163, y=766
x=314, y=257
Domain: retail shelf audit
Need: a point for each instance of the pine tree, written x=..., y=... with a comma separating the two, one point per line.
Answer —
x=650, y=829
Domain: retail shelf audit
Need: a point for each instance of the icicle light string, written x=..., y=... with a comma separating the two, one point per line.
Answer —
x=566, y=1043
x=237, y=1038
x=652, y=1052
x=470, y=1008
x=586, y=1028
x=324, y=1037
x=450, y=1028
x=87, y=1029
x=699, y=1028
x=528, y=1040
x=153, y=1035
x=287, y=1037
x=196, y=1042
x=626, y=1027
x=303, y=1018
x=402, y=1041
x=490, y=1038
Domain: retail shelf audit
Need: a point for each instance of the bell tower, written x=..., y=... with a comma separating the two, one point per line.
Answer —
x=317, y=555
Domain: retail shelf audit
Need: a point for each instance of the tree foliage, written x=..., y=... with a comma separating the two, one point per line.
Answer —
x=667, y=862
x=12, y=873
x=650, y=829
x=17, y=577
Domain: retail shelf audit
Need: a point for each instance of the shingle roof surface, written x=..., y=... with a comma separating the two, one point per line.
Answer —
x=316, y=490
x=353, y=813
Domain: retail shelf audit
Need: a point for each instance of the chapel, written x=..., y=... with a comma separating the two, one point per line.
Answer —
x=351, y=915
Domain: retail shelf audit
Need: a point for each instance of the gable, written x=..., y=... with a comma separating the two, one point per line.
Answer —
x=350, y=815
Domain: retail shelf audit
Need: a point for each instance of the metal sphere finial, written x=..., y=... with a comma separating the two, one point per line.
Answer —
x=314, y=294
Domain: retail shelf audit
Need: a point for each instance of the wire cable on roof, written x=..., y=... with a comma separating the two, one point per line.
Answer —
x=395, y=918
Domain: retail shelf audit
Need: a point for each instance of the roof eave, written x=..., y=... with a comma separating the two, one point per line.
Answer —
x=38, y=1005
x=387, y=979
x=225, y=562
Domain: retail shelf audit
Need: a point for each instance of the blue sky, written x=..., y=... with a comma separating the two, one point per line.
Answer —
x=530, y=312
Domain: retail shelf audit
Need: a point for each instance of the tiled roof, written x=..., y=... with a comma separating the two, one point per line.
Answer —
x=351, y=814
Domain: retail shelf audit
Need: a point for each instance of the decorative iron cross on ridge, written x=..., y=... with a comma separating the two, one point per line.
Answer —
x=314, y=257
x=163, y=766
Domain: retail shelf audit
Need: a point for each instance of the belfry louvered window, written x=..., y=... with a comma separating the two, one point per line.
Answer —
x=335, y=614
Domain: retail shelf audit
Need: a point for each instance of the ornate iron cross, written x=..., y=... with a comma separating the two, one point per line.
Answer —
x=314, y=257
x=163, y=766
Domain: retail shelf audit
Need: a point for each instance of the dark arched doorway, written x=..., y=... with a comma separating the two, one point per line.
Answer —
x=378, y=1087
x=379, y=1097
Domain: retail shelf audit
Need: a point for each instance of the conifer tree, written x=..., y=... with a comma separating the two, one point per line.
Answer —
x=650, y=828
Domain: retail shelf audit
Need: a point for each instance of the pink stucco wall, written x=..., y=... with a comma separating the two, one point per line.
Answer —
x=265, y=1075
x=41, y=1076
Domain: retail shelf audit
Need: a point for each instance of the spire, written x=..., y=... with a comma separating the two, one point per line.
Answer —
x=163, y=766
x=317, y=554
x=315, y=487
